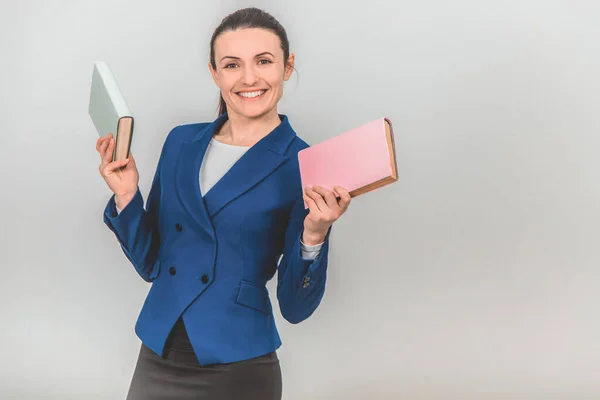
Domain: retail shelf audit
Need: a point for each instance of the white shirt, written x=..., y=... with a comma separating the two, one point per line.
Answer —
x=219, y=158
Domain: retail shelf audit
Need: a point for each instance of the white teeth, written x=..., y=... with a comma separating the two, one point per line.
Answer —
x=250, y=95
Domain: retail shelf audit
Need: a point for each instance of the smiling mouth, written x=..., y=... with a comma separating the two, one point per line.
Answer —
x=252, y=95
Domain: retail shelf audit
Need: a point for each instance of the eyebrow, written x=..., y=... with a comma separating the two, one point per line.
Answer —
x=258, y=55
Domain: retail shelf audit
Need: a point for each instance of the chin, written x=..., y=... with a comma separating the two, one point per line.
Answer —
x=254, y=112
x=255, y=108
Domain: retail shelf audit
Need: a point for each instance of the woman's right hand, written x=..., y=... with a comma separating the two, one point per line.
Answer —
x=122, y=176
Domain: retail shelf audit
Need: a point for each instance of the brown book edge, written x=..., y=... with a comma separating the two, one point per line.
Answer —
x=389, y=131
x=123, y=140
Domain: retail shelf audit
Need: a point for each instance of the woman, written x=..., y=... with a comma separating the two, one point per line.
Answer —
x=225, y=204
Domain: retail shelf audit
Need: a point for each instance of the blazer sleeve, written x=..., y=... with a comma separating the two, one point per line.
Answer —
x=300, y=282
x=136, y=227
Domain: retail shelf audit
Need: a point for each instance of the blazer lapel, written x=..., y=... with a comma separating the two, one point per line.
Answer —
x=255, y=165
x=187, y=176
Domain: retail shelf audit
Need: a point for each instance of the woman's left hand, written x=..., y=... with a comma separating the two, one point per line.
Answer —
x=325, y=208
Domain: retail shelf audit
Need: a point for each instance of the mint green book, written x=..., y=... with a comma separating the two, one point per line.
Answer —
x=109, y=110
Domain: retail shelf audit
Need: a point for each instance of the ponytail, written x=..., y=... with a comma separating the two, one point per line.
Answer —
x=222, y=105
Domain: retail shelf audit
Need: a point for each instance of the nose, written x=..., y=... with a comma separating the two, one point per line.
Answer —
x=250, y=76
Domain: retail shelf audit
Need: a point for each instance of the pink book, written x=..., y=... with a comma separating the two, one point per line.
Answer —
x=360, y=160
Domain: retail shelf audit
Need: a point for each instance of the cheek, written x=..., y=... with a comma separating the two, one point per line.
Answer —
x=226, y=82
x=275, y=80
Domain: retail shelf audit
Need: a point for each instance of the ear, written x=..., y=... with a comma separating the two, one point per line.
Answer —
x=289, y=67
x=213, y=73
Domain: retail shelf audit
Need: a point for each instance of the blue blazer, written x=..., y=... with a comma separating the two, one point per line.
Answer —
x=209, y=257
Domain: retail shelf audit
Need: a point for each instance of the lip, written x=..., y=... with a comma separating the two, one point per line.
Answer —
x=250, y=91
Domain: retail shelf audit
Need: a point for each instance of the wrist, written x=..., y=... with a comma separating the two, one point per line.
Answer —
x=122, y=200
x=310, y=238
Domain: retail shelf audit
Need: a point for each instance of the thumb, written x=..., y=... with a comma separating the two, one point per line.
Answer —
x=111, y=167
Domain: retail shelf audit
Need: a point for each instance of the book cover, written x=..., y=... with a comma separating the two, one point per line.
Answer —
x=109, y=111
x=360, y=160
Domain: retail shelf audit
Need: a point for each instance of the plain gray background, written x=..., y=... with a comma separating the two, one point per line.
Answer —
x=475, y=276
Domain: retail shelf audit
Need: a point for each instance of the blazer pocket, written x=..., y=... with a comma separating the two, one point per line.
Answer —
x=253, y=296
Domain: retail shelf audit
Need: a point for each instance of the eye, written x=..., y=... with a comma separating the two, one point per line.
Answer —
x=230, y=65
x=264, y=61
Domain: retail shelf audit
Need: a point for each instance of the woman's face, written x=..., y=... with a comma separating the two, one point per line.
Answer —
x=250, y=71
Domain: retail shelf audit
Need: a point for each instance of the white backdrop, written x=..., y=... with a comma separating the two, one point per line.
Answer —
x=476, y=276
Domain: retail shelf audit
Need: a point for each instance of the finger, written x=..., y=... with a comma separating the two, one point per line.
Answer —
x=108, y=151
x=318, y=199
x=131, y=164
x=312, y=206
x=99, y=143
x=114, y=165
x=345, y=197
x=102, y=150
x=328, y=196
x=101, y=140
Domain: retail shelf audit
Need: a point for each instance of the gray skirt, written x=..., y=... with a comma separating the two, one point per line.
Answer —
x=177, y=375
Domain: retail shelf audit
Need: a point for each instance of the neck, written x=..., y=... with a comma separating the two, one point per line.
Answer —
x=242, y=131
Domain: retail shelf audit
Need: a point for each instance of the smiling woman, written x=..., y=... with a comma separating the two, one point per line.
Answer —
x=250, y=66
x=249, y=56
x=207, y=326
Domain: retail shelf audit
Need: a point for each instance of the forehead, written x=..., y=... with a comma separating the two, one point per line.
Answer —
x=247, y=43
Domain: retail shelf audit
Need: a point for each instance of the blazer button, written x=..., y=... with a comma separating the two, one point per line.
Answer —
x=178, y=227
x=204, y=278
x=172, y=270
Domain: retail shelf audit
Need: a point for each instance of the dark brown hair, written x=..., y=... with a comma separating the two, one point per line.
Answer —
x=248, y=18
